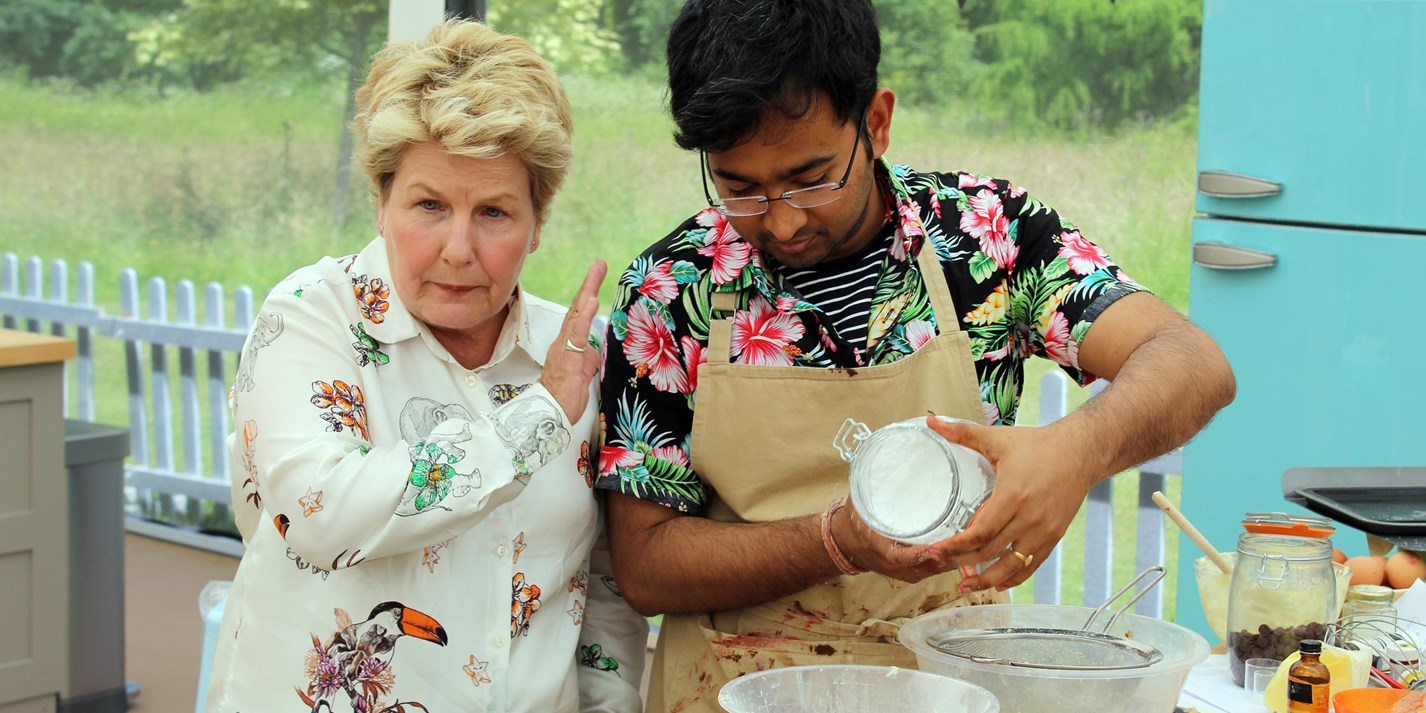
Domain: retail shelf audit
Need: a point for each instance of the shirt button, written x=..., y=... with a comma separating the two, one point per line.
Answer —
x=471, y=379
x=498, y=640
x=501, y=551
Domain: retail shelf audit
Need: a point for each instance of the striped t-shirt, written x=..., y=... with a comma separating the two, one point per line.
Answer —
x=843, y=288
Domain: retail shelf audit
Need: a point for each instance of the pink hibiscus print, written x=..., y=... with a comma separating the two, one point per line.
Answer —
x=967, y=180
x=671, y=454
x=729, y=252
x=1083, y=256
x=693, y=355
x=611, y=458
x=918, y=333
x=987, y=223
x=1059, y=347
x=659, y=285
x=1002, y=353
x=651, y=349
x=910, y=228
x=990, y=412
x=763, y=336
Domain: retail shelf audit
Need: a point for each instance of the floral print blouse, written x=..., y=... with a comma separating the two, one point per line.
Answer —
x=1026, y=282
x=418, y=535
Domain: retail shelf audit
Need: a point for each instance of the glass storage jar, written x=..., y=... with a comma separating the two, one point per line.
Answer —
x=910, y=484
x=1283, y=590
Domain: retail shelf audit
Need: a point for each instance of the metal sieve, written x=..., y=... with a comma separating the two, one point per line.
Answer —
x=1083, y=649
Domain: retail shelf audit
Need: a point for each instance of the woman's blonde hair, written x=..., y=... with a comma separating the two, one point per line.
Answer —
x=477, y=93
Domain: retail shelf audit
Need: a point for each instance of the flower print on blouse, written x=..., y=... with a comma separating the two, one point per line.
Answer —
x=251, y=486
x=524, y=602
x=593, y=657
x=435, y=432
x=501, y=394
x=373, y=295
x=372, y=473
x=1026, y=282
x=368, y=350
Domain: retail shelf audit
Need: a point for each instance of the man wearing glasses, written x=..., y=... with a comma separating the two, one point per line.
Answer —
x=824, y=282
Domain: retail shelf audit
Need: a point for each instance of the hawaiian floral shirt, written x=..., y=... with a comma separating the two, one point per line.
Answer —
x=419, y=536
x=1026, y=281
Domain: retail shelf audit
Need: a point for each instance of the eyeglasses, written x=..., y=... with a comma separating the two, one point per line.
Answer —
x=809, y=197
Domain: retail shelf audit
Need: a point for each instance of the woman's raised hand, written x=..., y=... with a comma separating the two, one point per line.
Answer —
x=572, y=362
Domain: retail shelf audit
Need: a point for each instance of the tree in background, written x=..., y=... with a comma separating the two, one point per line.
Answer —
x=302, y=36
x=84, y=42
x=642, y=29
x=199, y=44
x=571, y=34
x=1072, y=63
x=928, y=56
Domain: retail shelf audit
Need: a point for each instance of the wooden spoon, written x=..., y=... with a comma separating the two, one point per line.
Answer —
x=1192, y=532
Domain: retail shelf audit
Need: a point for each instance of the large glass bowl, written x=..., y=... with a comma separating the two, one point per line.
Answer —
x=1032, y=690
x=852, y=689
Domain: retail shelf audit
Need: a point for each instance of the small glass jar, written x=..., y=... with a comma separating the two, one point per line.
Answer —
x=1369, y=619
x=1370, y=605
x=910, y=484
x=1283, y=591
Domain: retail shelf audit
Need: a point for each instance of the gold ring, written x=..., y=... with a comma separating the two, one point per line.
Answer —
x=570, y=347
x=1025, y=559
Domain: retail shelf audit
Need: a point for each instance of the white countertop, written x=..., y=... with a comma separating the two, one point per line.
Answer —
x=1210, y=689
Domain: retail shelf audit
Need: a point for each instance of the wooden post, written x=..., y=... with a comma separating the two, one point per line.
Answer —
x=473, y=9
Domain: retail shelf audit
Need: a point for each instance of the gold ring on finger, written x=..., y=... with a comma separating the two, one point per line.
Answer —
x=1025, y=559
x=570, y=346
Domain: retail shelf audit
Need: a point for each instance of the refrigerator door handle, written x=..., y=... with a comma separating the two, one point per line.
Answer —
x=1220, y=256
x=1221, y=184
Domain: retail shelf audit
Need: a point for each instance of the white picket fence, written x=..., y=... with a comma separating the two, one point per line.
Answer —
x=153, y=473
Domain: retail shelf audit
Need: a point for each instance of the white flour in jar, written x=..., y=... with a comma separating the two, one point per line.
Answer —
x=912, y=484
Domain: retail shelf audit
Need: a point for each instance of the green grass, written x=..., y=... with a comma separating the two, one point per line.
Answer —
x=235, y=187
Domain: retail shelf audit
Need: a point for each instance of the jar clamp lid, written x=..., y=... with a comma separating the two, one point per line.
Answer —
x=1281, y=523
x=1370, y=593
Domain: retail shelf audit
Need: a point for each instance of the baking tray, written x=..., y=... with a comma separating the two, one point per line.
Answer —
x=1376, y=510
x=1400, y=485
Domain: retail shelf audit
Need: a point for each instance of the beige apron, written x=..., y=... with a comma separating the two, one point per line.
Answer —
x=762, y=439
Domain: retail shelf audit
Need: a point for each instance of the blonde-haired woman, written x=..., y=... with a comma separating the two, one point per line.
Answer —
x=414, y=432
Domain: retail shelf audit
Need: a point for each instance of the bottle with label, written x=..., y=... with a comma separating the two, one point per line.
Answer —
x=1308, y=680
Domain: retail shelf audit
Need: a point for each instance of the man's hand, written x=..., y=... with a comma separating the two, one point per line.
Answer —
x=1038, y=490
x=875, y=553
x=1169, y=378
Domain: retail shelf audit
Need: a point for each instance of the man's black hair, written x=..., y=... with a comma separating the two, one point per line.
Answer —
x=730, y=61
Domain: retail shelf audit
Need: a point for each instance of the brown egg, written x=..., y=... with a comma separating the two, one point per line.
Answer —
x=1367, y=570
x=1404, y=568
x=1339, y=556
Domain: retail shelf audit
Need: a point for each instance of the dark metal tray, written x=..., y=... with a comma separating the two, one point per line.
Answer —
x=1376, y=510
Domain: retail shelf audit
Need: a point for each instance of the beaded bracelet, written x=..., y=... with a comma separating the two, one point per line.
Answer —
x=844, y=565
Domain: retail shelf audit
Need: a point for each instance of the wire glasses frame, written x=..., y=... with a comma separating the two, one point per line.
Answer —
x=809, y=197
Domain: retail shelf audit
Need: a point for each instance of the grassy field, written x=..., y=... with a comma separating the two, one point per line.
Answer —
x=235, y=187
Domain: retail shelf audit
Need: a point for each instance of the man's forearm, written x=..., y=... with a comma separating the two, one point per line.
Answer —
x=693, y=564
x=1166, y=391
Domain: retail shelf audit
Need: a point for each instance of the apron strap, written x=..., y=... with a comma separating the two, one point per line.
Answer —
x=720, y=331
x=933, y=276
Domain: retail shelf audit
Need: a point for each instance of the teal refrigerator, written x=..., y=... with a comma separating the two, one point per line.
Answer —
x=1309, y=246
